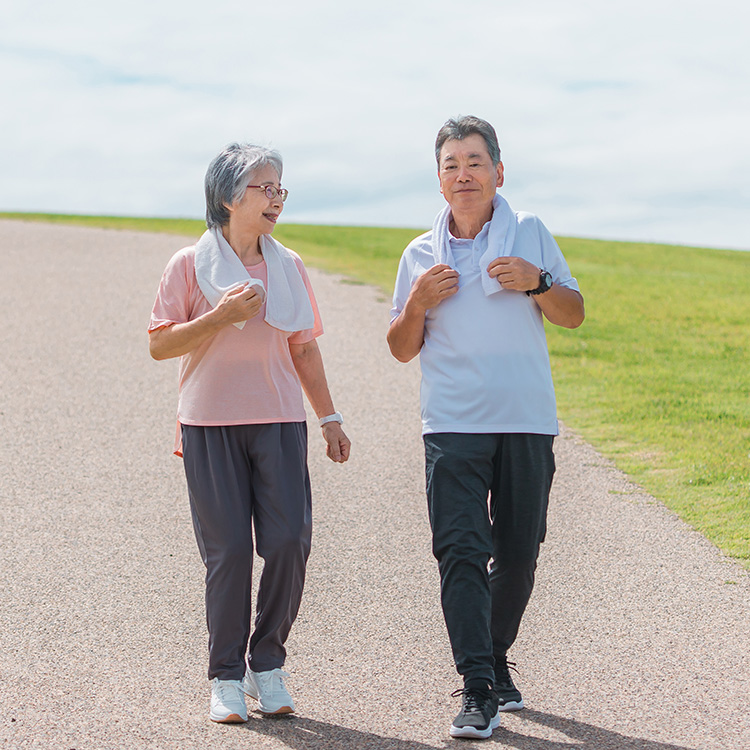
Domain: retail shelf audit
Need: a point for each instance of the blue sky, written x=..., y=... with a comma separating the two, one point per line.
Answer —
x=623, y=120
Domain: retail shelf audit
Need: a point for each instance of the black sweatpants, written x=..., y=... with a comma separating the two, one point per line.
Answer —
x=483, y=609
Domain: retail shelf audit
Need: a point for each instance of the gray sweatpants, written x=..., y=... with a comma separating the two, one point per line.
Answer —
x=245, y=478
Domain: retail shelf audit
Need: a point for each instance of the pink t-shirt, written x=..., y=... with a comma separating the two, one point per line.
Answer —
x=237, y=376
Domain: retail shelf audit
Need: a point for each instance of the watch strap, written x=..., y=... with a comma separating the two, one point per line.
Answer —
x=545, y=283
x=335, y=417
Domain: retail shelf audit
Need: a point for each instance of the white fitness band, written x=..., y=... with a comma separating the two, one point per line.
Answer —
x=335, y=417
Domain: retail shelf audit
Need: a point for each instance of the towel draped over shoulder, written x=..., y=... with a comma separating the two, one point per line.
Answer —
x=502, y=235
x=218, y=269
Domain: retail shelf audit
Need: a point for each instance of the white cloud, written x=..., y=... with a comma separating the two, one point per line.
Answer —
x=619, y=119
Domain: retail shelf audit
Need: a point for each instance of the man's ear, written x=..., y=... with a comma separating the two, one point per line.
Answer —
x=500, y=174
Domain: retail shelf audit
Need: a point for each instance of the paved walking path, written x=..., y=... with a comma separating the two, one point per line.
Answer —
x=637, y=636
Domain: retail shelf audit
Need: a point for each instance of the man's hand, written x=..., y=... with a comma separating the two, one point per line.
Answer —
x=406, y=334
x=514, y=273
x=241, y=303
x=433, y=286
x=560, y=305
x=338, y=443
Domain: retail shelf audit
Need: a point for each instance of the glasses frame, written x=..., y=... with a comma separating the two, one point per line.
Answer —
x=272, y=191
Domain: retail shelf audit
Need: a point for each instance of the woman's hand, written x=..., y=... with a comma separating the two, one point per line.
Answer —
x=338, y=443
x=241, y=303
x=309, y=365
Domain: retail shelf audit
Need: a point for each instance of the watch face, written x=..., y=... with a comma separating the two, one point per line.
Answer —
x=546, y=279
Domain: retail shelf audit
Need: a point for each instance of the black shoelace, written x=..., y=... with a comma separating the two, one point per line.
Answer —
x=474, y=698
x=502, y=674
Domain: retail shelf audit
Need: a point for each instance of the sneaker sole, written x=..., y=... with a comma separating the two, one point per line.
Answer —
x=278, y=712
x=473, y=732
x=511, y=706
x=264, y=710
x=231, y=719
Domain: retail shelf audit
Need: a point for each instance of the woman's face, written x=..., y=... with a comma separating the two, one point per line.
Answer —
x=256, y=213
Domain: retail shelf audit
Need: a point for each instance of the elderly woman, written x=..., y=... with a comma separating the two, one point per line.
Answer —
x=239, y=311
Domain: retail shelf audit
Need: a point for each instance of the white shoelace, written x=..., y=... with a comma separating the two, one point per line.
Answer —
x=276, y=679
x=228, y=690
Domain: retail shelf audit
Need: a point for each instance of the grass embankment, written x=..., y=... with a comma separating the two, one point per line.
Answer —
x=657, y=378
x=365, y=254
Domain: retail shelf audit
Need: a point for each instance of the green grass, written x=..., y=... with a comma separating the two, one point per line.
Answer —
x=657, y=378
x=187, y=227
x=367, y=255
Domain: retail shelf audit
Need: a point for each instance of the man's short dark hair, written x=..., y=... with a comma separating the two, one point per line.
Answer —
x=458, y=128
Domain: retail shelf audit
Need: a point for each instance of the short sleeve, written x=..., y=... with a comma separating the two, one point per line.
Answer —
x=402, y=287
x=172, y=304
x=417, y=258
x=553, y=259
x=302, y=337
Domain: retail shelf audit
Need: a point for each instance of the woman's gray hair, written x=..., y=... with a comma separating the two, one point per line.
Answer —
x=458, y=128
x=230, y=173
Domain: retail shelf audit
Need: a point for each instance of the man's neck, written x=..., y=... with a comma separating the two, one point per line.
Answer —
x=468, y=226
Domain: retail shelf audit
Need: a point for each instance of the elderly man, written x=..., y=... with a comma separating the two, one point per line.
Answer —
x=470, y=298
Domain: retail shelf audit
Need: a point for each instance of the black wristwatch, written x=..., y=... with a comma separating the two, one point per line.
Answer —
x=545, y=283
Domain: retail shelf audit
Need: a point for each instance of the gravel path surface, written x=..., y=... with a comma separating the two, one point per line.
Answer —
x=637, y=636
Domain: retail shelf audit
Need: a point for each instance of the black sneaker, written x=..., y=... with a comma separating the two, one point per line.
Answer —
x=508, y=694
x=479, y=714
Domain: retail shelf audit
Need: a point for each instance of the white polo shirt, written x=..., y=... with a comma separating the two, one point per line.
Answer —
x=485, y=364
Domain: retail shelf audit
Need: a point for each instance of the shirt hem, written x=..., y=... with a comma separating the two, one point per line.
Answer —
x=226, y=422
x=177, y=449
x=527, y=429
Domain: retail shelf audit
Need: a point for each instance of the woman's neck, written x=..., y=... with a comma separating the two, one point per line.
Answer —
x=247, y=246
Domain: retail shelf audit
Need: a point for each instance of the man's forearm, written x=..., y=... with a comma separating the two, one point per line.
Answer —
x=406, y=334
x=562, y=306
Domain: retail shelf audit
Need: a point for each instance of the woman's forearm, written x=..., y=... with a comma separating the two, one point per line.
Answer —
x=238, y=304
x=182, y=338
x=308, y=363
x=309, y=366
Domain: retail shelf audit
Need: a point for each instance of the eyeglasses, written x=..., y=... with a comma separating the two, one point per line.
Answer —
x=272, y=192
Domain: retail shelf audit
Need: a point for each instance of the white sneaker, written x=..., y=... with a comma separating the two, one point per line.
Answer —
x=269, y=690
x=228, y=701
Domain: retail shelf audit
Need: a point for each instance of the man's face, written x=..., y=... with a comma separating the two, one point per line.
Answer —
x=468, y=179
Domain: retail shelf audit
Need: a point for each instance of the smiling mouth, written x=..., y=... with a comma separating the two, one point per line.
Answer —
x=272, y=217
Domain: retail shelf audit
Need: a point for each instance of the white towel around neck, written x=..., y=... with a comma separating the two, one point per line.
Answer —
x=500, y=240
x=219, y=269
